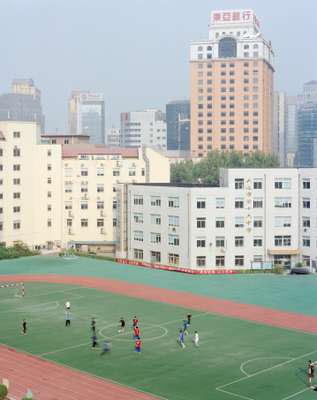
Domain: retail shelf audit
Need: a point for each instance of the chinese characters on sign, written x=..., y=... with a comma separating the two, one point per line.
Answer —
x=235, y=16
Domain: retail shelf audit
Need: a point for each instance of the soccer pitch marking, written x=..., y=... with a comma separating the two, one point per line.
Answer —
x=289, y=361
x=35, y=308
x=126, y=336
x=257, y=359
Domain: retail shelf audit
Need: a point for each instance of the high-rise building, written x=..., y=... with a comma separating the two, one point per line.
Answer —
x=145, y=127
x=86, y=115
x=113, y=137
x=279, y=126
x=178, y=125
x=231, y=78
x=307, y=133
x=23, y=103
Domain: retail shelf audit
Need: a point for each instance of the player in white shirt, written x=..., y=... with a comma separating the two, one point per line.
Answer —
x=196, y=339
x=67, y=305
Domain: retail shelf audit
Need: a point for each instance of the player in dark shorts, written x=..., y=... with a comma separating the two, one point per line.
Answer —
x=94, y=341
x=24, y=327
x=67, y=318
x=310, y=372
x=189, y=319
x=93, y=325
x=121, y=325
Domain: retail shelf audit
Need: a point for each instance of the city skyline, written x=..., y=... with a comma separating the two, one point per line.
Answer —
x=138, y=75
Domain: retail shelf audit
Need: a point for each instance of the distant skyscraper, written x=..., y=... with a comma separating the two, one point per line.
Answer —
x=145, y=127
x=279, y=126
x=231, y=96
x=307, y=134
x=178, y=125
x=113, y=137
x=23, y=103
x=86, y=115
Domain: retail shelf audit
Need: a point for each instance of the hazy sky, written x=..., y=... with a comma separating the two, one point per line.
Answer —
x=136, y=52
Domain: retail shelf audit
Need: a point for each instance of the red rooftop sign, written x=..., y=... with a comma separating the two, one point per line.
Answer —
x=220, y=17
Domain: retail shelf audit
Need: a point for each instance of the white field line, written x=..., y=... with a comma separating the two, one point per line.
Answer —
x=221, y=388
x=242, y=366
x=295, y=394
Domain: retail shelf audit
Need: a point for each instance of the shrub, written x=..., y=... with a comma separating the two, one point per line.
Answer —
x=299, y=265
x=3, y=392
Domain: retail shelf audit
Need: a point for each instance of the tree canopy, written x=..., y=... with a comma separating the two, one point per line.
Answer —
x=206, y=170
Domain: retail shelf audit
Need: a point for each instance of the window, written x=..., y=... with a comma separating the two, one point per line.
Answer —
x=220, y=202
x=68, y=206
x=306, y=241
x=100, y=188
x=100, y=172
x=282, y=222
x=220, y=222
x=257, y=184
x=84, y=172
x=201, y=261
x=201, y=242
x=49, y=180
x=16, y=181
x=115, y=172
x=227, y=48
x=16, y=209
x=173, y=202
x=257, y=242
x=49, y=207
x=155, y=256
x=238, y=203
x=84, y=223
x=16, y=152
x=306, y=203
x=138, y=200
x=282, y=241
x=155, y=219
x=173, y=240
x=306, y=183
x=220, y=261
x=239, y=222
x=220, y=241
x=16, y=225
x=138, y=236
x=173, y=220
x=16, y=195
x=173, y=259
x=138, y=254
x=258, y=222
x=283, y=183
x=84, y=206
x=100, y=205
x=68, y=171
x=282, y=202
x=69, y=222
x=306, y=222
x=155, y=237
x=306, y=261
x=155, y=201
x=49, y=223
x=16, y=167
x=16, y=135
x=239, y=241
x=201, y=203
x=258, y=203
x=201, y=223
x=138, y=218
x=239, y=183
x=239, y=261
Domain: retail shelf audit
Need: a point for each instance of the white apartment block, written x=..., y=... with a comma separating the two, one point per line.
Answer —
x=30, y=187
x=146, y=127
x=256, y=218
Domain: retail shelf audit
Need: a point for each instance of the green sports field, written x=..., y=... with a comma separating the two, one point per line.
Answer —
x=235, y=359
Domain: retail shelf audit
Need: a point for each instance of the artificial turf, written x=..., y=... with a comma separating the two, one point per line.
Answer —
x=235, y=359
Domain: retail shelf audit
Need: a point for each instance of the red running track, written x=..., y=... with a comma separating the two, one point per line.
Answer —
x=49, y=380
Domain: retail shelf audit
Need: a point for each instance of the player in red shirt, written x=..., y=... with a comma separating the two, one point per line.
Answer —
x=135, y=321
x=138, y=345
x=136, y=332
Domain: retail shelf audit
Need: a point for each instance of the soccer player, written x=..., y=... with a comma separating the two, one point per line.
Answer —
x=24, y=327
x=136, y=332
x=121, y=325
x=180, y=339
x=94, y=341
x=310, y=372
x=196, y=339
x=138, y=345
x=189, y=319
x=185, y=325
x=93, y=325
x=135, y=321
x=106, y=347
x=67, y=318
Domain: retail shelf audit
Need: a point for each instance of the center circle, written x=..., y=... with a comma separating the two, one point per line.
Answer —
x=127, y=336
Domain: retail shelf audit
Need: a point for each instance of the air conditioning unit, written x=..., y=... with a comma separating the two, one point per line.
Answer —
x=102, y=231
x=305, y=229
x=174, y=229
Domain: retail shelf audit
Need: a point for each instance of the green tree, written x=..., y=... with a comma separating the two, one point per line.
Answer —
x=206, y=170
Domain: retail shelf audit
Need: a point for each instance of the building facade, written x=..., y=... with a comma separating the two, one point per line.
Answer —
x=86, y=115
x=307, y=134
x=256, y=218
x=231, y=86
x=178, y=125
x=280, y=127
x=48, y=138
x=30, y=182
x=146, y=127
x=113, y=137
x=23, y=103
